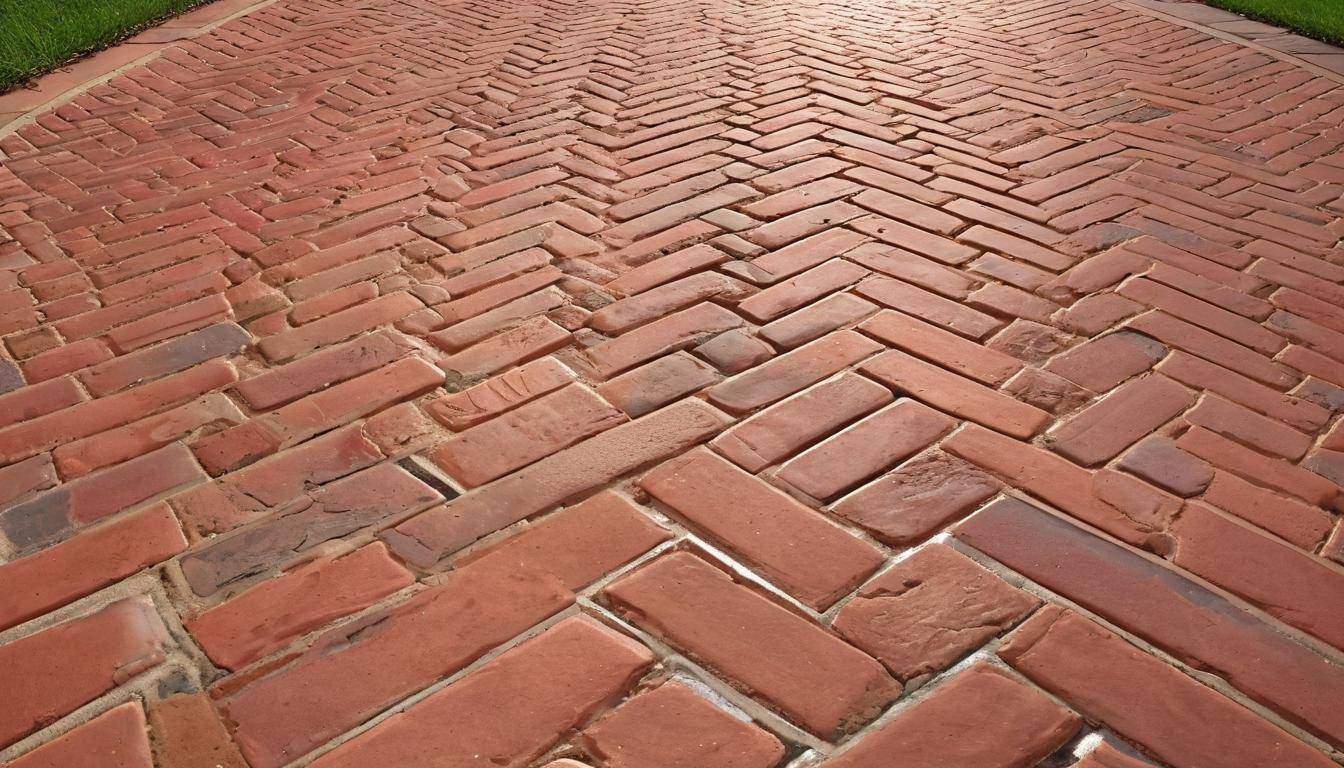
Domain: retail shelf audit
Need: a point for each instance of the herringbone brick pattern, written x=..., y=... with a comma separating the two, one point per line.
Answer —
x=699, y=383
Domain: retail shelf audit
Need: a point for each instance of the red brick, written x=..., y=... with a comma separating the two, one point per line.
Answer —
x=567, y=673
x=1286, y=583
x=463, y=334
x=189, y=734
x=357, y=669
x=524, y=435
x=959, y=396
x=816, y=320
x=1295, y=522
x=18, y=481
x=734, y=351
x=1192, y=371
x=987, y=366
x=1262, y=470
x=87, y=562
x=76, y=662
x=169, y=357
x=1201, y=343
x=529, y=340
x=780, y=430
x=114, y=739
x=1107, y=756
x=792, y=372
x=1158, y=460
x=555, y=479
x=321, y=369
x=789, y=544
x=981, y=718
x=27, y=403
x=1172, y=716
x=339, y=326
x=169, y=323
x=675, y=727
x=926, y=612
x=269, y=615
x=1124, y=507
x=53, y=514
x=214, y=411
x=1106, y=428
x=31, y=437
x=1192, y=623
x=808, y=674
x=668, y=334
x=494, y=396
x=620, y=316
x=861, y=451
x=802, y=289
x=1201, y=313
x=1249, y=428
x=951, y=315
x=655, y=384
x=251, y=492
x=667, y=268
x=1104, y=362
x=67, y=359
x=916, y=500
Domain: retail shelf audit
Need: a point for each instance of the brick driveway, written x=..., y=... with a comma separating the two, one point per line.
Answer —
x=701, y=384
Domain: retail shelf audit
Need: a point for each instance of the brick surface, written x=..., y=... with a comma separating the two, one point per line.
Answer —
x=116, y=739
x=354, y=345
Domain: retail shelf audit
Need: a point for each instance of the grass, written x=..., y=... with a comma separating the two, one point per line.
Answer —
x=1321, y=19
x=37, y=36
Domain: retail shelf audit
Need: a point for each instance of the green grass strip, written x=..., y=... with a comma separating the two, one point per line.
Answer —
x=37, y=36
x=1321, y=19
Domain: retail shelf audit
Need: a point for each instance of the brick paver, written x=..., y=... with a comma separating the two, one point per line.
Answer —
x=708, y=384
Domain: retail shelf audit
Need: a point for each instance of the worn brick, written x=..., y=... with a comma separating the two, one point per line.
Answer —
x=1174, y=717
x=930, y=609
x=808, y=674
x=188, y=734
x=982, y=717
x=79, y=661
x=114, y=739
x=1104, y=429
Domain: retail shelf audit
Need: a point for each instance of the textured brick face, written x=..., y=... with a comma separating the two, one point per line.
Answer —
x=715, y=384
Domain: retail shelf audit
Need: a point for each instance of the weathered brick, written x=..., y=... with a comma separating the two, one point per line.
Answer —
x=674, y=726
x=26, y=403
x=378, y=495
x=114, y=739
x=982, y=717
x=171, y=356
x=780, y=430
x=930, y=609
x=792, y=372
x=496, y=395
x=788, y=543
x=270, y=614
x=795, y=666
x=524, y=435
x=353, y=671
x=959, y=396
x=1101, y=431
x=321, y=369
x=555, y=479
x=1104, y=362
x=339, y=326
x=78, y=661
x=913, y=502
x=33, y=436
x=872, y=445
x=527, y=341
x=985, y=365
x=87, y=562
x=214, y=411
x=1192, y=623
x=1174, y=717
x=1287, y=584
x=568, y=672
x=189, y=734
x=655, y=384
x=53, y=514
x=660, y=337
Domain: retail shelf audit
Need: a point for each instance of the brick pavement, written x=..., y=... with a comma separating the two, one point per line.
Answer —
x=705, y=384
